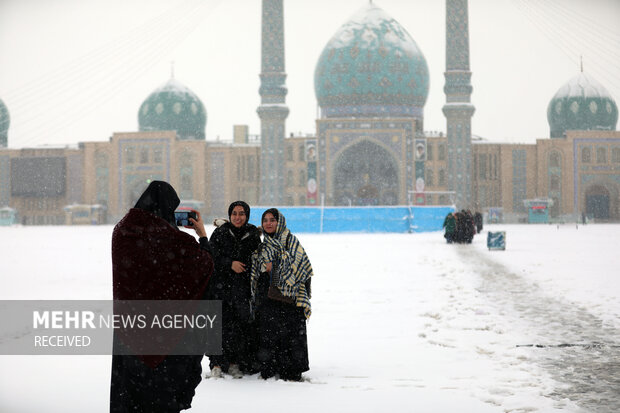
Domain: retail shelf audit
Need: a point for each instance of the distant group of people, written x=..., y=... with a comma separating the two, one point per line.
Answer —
x=264, y=287
x=460, y=227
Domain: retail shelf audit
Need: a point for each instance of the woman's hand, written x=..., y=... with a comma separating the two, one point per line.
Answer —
x=197, y=225
x=238, y=267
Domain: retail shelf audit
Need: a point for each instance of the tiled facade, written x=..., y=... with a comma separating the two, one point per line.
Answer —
x=583, y=167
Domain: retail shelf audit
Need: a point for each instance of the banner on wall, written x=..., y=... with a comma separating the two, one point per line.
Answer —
x=420, y=158
x=420, y=150
x=311, y=187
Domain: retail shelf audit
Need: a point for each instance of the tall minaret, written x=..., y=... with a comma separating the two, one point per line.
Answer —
x=272, y=110
x=458, y=108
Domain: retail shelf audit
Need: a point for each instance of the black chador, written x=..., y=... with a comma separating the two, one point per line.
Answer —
x=232, y=243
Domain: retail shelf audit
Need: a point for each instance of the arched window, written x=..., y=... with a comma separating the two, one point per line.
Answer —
x=130, y=154
x=102, y=178
x=442, y=177
x=429, y=177
x=186, y=183
x=186, y=158
x=363, y=173
x=158, y=154
x=482, y=166
x=441, y=155
x=555, y=209
x=101, y=159
x=555, y=160
x=615, y=155
x=186, y=172
x=302, y=177
x=301, y=153
x=554, y=171
x=586, y=154
x=144, y=154
x=429, y=151
x=554, y=183
x=601, y=154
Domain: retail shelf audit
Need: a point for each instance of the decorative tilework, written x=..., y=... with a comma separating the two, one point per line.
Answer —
x=371, y=66
x=381, y=132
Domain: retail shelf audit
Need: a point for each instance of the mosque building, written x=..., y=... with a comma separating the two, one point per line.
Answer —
x=369, y=148
x=371, y=84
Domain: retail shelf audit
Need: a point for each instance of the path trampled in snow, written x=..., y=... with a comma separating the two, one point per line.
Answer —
x=573, y=345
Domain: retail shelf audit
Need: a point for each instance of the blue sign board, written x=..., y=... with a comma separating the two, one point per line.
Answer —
x=496, y=240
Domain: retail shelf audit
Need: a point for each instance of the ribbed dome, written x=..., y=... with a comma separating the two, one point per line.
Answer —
x=581, y=104
x=5, y=122
x=174, y=107
x=371, y=67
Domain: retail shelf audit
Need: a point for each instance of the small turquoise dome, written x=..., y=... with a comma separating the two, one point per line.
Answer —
x=5, y=122
x=581, y=104
x=174, y=107
x=371, y=67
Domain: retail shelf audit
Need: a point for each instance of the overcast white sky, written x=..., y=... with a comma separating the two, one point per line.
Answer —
x=77, y=70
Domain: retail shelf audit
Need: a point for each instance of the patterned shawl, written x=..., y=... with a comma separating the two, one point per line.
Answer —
x=294, y=266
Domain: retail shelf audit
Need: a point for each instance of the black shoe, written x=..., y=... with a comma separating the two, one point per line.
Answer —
x=291, y=377
x=266, y=375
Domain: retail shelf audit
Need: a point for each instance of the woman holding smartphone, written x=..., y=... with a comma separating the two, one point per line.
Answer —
x=153, y=260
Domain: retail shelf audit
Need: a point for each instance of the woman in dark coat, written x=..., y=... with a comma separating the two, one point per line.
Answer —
x=470, y=227
x=281, y=274
x=153, y=260
x=450, y=225
x=233, y=244
x=478, y=221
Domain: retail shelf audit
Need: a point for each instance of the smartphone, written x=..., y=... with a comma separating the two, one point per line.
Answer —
x=182, y=218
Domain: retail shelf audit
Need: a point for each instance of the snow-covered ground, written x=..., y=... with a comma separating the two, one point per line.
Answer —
x=401, y=322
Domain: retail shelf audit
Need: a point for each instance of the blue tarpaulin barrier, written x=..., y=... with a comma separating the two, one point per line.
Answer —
x=360, y=219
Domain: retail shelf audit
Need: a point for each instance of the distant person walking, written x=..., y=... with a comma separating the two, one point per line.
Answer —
x=478, y=221
x=449, y=225
x=469, y=226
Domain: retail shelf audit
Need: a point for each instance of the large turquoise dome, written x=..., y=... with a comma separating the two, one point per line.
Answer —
x=581, y=104
x=174, y=107
x=371, y=67
x=5, y=122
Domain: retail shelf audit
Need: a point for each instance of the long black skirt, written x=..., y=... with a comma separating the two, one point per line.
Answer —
x=283, y=343
x=167, y=388
x=239, y=338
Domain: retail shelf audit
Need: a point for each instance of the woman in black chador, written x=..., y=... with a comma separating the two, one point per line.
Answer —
x=233, y=244
x=281, y=274
x=153, y=260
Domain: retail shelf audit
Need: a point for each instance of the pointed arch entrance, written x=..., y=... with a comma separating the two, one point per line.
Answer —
x=366, y=174
x=598, y=202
